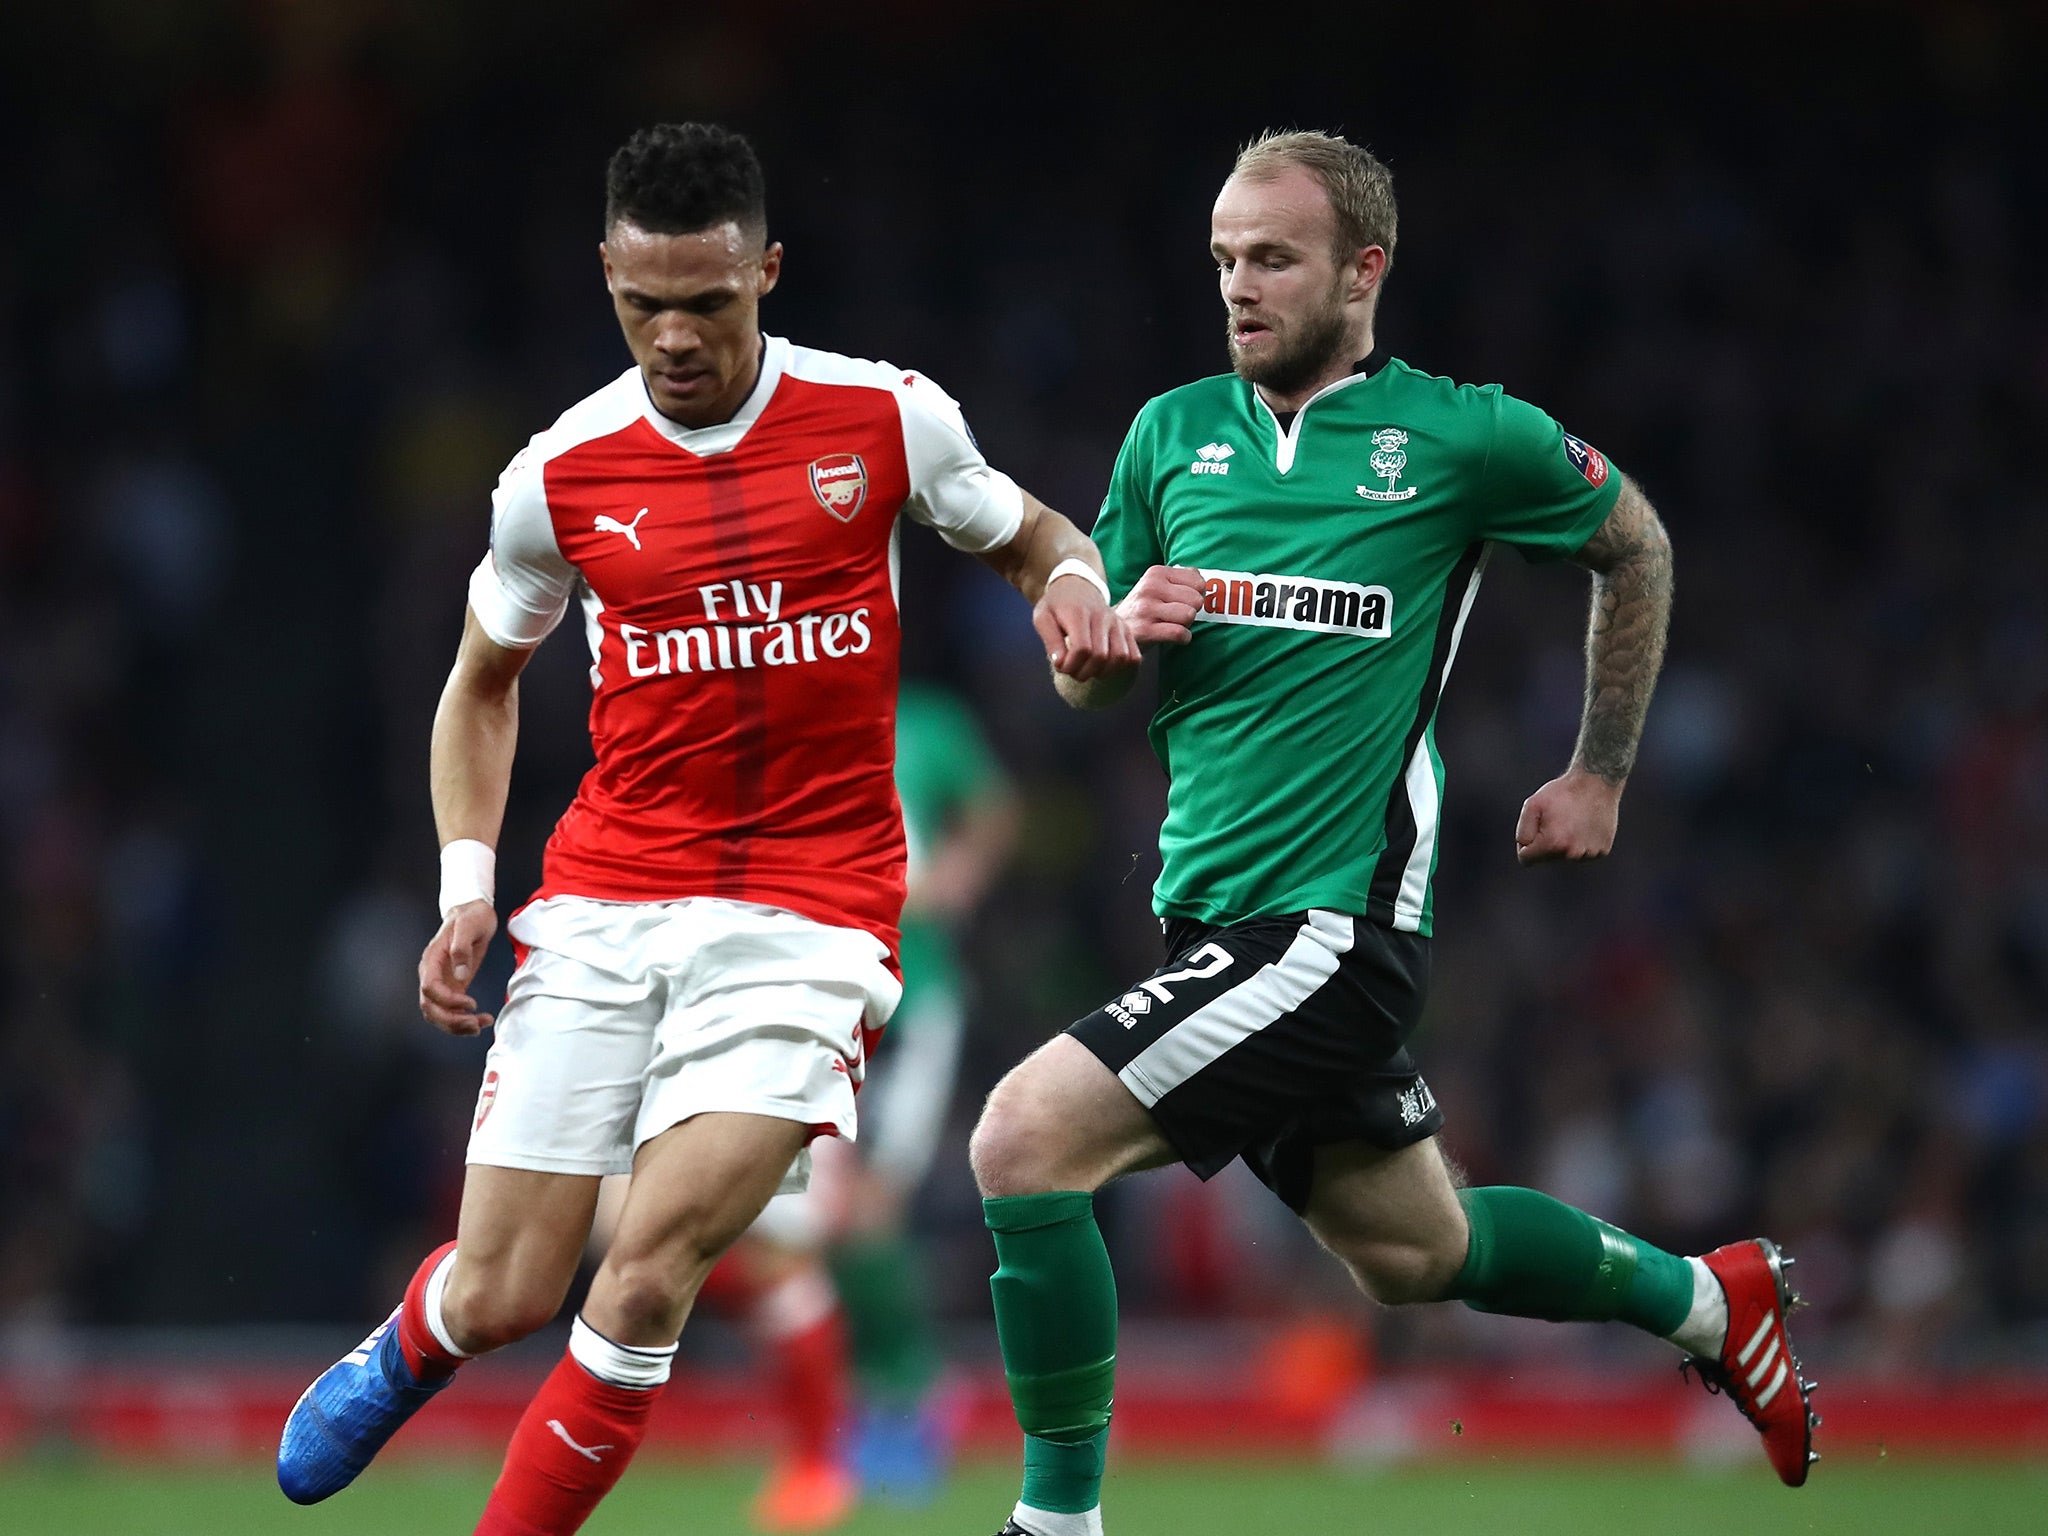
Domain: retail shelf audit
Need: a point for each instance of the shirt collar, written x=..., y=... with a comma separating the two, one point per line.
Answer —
x=726, y=436
x=1287, y=437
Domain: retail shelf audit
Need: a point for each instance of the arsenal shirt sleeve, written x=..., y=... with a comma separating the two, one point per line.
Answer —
x=521, y=589
x=974, y=508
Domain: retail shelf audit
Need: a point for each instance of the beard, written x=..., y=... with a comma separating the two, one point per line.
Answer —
x=1299, y=359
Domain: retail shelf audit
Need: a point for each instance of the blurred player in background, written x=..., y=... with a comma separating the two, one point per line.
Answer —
x=837, y=1264
x=1303, y=539
x=713, y=944
x=960, y=821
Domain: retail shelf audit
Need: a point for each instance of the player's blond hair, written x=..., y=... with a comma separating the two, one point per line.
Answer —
x=1361, y=188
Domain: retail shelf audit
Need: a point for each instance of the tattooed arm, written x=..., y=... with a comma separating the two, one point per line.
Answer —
x=1630, y=558
x=1574, y=816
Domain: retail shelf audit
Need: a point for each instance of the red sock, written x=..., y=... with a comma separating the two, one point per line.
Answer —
x=428, y=1358
x=572, y=1444
x=810, y=1361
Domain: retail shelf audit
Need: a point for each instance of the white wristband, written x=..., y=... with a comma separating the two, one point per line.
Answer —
x=469, y=872
x=1082, y=569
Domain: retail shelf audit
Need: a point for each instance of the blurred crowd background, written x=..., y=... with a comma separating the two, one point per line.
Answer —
x=283, y=285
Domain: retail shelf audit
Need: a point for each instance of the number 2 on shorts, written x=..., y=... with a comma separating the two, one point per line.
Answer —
x=1208, y=960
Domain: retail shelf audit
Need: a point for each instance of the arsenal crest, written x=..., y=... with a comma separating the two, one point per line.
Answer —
x=840, y=482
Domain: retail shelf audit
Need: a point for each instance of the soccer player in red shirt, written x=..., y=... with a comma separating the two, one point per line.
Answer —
x=712, y=947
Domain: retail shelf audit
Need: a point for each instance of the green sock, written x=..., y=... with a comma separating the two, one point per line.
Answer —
x=888, y=1320
x=1055, y=1301
x=1532, y=1256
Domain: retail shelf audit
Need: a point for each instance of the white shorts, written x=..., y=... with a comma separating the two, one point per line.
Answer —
x=626, y=1018
x=904, y=1104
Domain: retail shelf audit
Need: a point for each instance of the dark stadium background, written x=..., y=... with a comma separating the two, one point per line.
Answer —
x=283, y=285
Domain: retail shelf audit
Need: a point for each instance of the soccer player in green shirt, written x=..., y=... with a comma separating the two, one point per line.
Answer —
x=959, y=823
x=1301, y=541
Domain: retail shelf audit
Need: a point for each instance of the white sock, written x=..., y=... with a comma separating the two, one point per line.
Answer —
x=1047, y=1522
x=430, y=1304
x=1705, y=1328
x=640, y=1366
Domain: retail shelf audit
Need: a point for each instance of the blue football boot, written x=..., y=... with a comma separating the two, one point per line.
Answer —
x=344, y=1418
x=902, y=1456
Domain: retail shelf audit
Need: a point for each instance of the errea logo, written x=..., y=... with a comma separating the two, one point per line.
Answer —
x=1212, y=459
x=1129, y=1008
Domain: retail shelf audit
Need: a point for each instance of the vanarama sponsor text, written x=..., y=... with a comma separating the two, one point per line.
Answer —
x=1296, y=602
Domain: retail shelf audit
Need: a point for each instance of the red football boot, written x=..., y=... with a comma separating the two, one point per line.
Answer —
x=806, y=1494
x=1757, y=1368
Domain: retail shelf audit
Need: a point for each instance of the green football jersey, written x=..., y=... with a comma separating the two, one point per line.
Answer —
x=1340, y=558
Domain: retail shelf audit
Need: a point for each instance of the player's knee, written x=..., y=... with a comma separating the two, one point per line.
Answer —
x=993, y=1151
x=489, y=1317
x=648, y=1290
x=1014, y=1150
x=1401, y=1273
x=649, y=1298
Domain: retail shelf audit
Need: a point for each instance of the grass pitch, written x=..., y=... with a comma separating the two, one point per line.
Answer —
x=1148, y=1499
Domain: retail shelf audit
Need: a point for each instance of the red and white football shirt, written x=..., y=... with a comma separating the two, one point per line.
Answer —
x=738, y=594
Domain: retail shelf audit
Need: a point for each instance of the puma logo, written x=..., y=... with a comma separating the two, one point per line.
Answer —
x=587, y=1452
x=608, y=524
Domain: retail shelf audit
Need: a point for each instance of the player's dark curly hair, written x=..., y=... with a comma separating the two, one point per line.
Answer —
x=677, y=178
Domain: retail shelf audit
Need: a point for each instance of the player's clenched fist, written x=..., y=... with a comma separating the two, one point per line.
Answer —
x=449, y=966
x=1572, y=817
x=1163, y=605
x=1084, y=637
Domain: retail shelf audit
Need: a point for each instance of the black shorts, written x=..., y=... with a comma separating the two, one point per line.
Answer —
x=1269, y=1038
